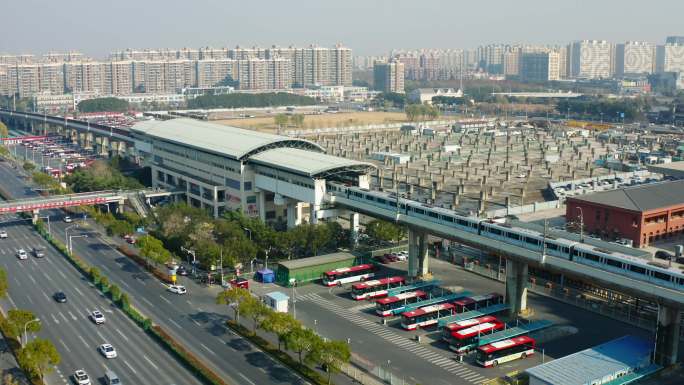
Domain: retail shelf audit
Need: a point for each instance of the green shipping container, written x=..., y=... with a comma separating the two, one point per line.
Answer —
x=306, y=270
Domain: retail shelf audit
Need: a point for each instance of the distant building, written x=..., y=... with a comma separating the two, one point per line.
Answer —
x=425, y=95
x=591, y=59
x=389, y=77
x=672, y=57
x=540, y=67
x=643, y=213
x=675, y=40
x=47, y=102
x=634, y=57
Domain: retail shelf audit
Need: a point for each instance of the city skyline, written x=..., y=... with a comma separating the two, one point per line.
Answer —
x=211, y=23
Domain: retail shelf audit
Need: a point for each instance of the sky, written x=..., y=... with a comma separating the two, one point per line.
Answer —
x=369, y=27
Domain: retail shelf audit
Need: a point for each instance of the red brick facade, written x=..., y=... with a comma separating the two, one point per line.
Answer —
x=642, y=227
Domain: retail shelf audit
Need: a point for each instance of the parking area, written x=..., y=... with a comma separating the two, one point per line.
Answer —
x=55, y=155
x=384, y=348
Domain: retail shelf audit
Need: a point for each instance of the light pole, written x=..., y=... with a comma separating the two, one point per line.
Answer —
x=66, y=232
x=72, y=237
x=194, y=258
x=581, y=218
x=293, y=282
x=25, y=326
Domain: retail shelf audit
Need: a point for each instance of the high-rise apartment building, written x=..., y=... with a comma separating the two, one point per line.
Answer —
x=540, y=66
x=51, y=77
x=511, y=62
x=389, y=76
x=675, y=40
x=85, y=77
x=591, y=59
x=672, y=58
x=216, y=72
x=23, y=79
x=118, y=77
x=634, y=57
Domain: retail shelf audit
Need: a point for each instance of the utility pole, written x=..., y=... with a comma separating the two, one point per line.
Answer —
x=581, y=218
x=543, y=256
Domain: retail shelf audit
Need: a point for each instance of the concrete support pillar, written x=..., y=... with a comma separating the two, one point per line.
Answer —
x=313, y=213
x=354, y=229
x=418, y=254
x=34, y=216
x=516, y=286
x=261, y=202
x=120, y=206
x=294, y=214
x=667, y=335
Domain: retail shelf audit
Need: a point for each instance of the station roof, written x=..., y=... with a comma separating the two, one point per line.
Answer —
x=594, y=364
x=640, y=198
x=232, y=142
x=308, y=163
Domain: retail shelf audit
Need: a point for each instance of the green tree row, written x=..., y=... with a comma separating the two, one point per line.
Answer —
x=282, y=120
x=250, y=100
x=100, y=175
x=309, y=346
x=415, y=112
x=104, y=105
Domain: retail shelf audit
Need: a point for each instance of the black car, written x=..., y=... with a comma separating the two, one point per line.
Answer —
x=38, y=252
x=60, y=297
x=660, y=254
x=182, y=270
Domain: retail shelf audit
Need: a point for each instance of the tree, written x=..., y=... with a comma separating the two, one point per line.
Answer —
x=297, y=120
x=233, y=298
x=44, y=181
x=385, y=231
x=253, y=308
x=250, y=100
x=281, y=120
x=4, y=285
x=153, y=249
x=28, y=166
x=103, y=104
x=280, y=324
x=17, y=319
x=8, y=379
x=332, y=355
x=4, y=132
x=38, y=357
x=4, y=152
x=301, y=341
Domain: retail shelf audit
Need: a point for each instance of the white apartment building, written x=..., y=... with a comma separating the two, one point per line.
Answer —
x=634, y=57
x=591, y=59
x=673, y=58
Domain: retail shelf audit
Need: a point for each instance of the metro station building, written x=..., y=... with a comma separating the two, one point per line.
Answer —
x=643, y=213
x=221, y=168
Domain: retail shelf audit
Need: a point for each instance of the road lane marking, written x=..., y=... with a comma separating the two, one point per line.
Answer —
x=150, y=361
x=121, y=334
x=32, y=279
x=45, y=294
x=62, y=274
x=175, y=324
x=48, y=277
x=11, y=300
x=196, y=323
x=207, y=349
x=54, y=319
x=65, y=345
x=164, y=299
x=130, y=367
x=100, y=335
x=63, y=317
x=79, y=291
x=147, y=301
x=73, y=317
x=29, y=299
x=125, y=284
x=17, y=282
x=83, y=340
x=245, y=378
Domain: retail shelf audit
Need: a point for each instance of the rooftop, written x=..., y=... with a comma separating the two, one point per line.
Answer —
x=595, y=363
x=318, y=260
x=307, y=163
x=640, y=198
x=233, y=142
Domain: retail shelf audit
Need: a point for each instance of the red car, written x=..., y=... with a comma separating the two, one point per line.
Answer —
x=130, y=239
x=239, y=282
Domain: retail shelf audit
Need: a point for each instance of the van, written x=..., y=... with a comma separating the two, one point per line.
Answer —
x=111, y=378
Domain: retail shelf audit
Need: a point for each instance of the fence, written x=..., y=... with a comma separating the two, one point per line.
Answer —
x=358, y=129
x=531, y=208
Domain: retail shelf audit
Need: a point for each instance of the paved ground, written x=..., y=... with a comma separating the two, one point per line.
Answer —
x=8, y=364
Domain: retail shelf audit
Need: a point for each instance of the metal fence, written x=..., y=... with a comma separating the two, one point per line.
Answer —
x=364, y=128
x=531, y=208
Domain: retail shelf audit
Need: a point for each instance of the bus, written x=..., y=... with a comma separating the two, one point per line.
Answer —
x=503, y=351
x=426, y=316
x=464, y=340
x=476, y=302
x=385, y=306
x=348, y=274
x=375, y=288
x=450, y=329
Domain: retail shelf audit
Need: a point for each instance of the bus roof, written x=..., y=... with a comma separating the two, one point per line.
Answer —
x=378, y=282
x=401, y=297
x=499, y=345
x=476, y=298
x=428, y=309
x=471, y=322
x=349, y=269
x=474, y=330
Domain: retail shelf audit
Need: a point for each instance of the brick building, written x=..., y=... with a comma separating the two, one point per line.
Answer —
x=644, y=213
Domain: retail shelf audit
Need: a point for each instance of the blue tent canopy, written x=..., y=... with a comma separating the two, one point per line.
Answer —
x=265, y=276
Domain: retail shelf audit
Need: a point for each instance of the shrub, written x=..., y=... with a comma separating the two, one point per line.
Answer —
x=124, y=301
x=115, y=293
x=104, y=284
x=95, y=275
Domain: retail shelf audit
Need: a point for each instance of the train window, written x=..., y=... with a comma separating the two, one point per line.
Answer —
x=565, y=250
x=637, y=269
x=660, y=275
x=447, y=218
x=551, y=246
x=592, y=257
x=418, y=211
x=462, y=222
x=380, y=200
x=494, y=231
x=370, y=198
x=393, y=204
x=402, y=206
x=531, y=241
x=433, y=214
x=577, y=253
x=613, y=262
x=513, y=236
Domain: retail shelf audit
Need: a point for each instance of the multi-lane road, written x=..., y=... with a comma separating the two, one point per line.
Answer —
x=194, y=319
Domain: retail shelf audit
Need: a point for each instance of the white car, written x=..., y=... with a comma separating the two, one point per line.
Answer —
x=3, y=234
x=402, y=255
x=21, y=254
x=97, y=317
x=81, y=377
x=177, y=289
x=67, y=219
x=107, y=350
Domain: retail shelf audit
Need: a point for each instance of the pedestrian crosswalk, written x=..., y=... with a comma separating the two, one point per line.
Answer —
x=444, y=362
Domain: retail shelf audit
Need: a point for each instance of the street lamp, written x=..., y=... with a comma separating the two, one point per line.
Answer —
x=293, y=282
x=194, y=258
x=66, y=232
x=75, y=236
x=25, y=326
x=248, y=231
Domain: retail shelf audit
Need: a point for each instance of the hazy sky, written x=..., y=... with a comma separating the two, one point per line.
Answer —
x=97, y=27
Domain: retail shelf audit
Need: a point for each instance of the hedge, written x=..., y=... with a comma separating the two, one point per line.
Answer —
x=278, y=354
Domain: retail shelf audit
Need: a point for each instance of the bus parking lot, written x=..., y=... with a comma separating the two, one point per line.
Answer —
x=422, y=356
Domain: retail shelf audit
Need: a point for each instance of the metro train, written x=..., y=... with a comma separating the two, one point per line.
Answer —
x=581, y=253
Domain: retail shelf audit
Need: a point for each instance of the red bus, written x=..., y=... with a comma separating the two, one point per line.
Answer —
x=425, y=316
x=385, y=306
x=503, y=351
x=450, y=329
x=466, y=339
x=479, y=301
x=348, y=274
x=375, y=288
